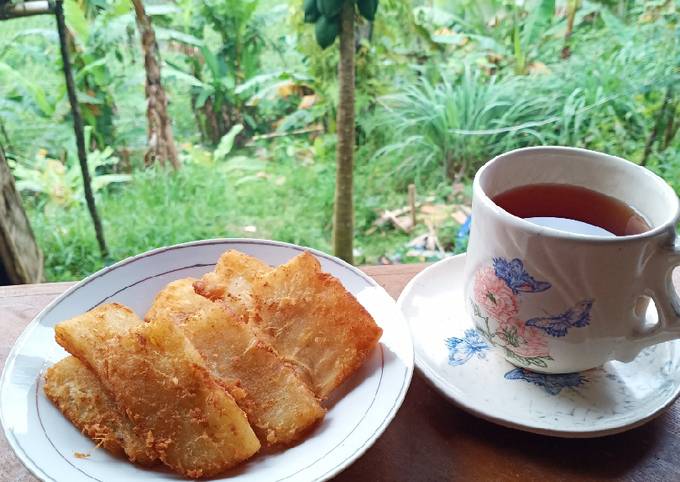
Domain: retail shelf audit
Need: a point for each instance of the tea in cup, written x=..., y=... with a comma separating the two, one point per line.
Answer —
x=566, y=249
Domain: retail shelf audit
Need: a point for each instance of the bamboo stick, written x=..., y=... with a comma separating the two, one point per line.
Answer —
x=78, y=129
x=26, y=9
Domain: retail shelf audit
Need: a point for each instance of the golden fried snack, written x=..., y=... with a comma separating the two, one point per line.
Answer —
x=178, y=302
x=311, y=319
x=80, y=396
x=160, y=380
x=280, y=407
x=231, y=281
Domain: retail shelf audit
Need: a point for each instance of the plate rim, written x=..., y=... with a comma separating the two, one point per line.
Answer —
x=409, y=361
x=438, y=382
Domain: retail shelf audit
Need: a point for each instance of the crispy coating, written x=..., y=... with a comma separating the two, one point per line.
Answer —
x=80, y=396
x=231, y=281
x=311, y=319
x=162, y=383
x=178, y=302
x=280, y=407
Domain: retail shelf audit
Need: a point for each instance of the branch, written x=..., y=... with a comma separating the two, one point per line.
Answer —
x=271, y=135
x=26, y=9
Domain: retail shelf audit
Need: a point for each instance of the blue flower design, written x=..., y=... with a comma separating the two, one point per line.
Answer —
x=462, y=349
x=558, y=325
x=553, y=384
x=516, y=277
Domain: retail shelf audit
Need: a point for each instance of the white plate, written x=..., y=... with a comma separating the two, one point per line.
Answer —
x=463, y=367
x=46, y=442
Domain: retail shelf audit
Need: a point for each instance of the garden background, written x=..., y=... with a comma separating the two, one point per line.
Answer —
x=441, y=87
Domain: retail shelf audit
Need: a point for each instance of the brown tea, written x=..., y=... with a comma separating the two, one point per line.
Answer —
x=559, y=205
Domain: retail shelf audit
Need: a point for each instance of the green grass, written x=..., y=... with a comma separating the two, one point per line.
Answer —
x=286, y=196
x=158, y=208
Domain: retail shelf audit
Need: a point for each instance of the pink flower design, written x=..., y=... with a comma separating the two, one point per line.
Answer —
x=494, y=295
x=523, y=340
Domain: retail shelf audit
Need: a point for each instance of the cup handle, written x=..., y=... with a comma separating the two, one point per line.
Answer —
x=660, y=288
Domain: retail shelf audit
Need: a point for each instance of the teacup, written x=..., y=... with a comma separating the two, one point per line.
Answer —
x=556, y=301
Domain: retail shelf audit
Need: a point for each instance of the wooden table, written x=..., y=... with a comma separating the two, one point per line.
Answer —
x=430, y=439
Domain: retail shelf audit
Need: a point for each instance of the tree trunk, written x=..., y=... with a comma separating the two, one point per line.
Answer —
x=20, y=259
x=343, y=220
x=159, y=129
x=211, y=122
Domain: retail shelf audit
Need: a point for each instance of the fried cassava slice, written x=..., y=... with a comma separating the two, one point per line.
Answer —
x=81, y=397
x=161, y=382
x=312, y=320
x=280, y=407
x=231, y=281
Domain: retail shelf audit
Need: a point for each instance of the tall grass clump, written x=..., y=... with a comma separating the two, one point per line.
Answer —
x=445, y=130
x=604, y=97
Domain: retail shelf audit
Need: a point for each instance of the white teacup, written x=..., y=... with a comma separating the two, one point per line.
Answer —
x=555, y=301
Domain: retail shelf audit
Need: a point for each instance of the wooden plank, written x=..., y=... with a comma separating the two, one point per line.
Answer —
x=20, y=259
x=430, y=438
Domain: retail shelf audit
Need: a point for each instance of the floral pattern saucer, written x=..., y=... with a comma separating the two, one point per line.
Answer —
x=462, y=364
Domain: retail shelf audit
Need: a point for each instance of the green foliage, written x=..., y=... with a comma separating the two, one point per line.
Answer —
x=99, y=46
x=441, y=87
x=53, y=183
x=227, y=143
x=25, y=89
x=526, y=37
x=448, y=128
x=224, y=42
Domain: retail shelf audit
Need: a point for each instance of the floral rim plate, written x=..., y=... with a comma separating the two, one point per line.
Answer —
x=357, y=414
x=461, y=364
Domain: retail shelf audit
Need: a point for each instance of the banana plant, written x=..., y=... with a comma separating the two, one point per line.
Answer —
x=525, y=39
x=94, y=32
x=216, y=72
x=213, y=91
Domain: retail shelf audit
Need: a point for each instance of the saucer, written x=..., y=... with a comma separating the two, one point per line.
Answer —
x=460, y=363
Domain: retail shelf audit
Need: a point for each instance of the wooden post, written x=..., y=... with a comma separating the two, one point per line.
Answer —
x=412, y=203
x=20, y=259
x=78, y=128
